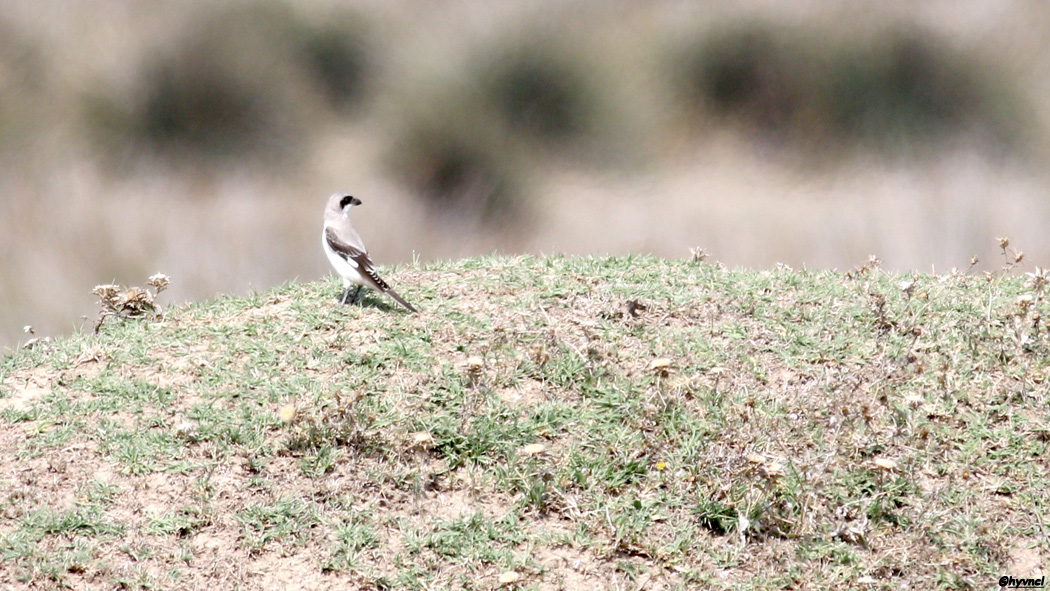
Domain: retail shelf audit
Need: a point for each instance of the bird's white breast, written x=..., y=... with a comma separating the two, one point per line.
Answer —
x=347, y=268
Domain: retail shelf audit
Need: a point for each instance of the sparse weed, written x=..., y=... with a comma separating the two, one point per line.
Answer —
x=118, y=301
x=286, y=520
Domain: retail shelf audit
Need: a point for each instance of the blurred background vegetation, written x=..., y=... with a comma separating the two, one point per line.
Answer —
x=201, y=139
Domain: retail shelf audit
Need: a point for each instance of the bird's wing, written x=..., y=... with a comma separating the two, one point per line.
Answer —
x=357, y=255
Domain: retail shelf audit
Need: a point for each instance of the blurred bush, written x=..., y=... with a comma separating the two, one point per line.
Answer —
x=476, y=135
x=909, y=85
x=337, y=57
x=752, y=74
x=459, y=163
x=260, y=80
x=538, y=92
x=22, y=87
x=197, y=102
x=515, y=105
x=897, y=88
x=241, y=82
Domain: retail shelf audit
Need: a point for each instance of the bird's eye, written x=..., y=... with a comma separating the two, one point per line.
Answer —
x=348, y=200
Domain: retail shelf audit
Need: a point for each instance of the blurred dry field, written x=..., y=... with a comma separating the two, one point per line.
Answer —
x=201, y=141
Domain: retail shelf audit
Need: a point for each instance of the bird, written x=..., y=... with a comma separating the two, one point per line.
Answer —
x=348, y=254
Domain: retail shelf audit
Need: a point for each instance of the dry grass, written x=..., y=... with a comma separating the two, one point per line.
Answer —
x=576, y=422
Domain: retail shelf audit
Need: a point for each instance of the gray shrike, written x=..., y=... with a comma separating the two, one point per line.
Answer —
x=348, y=254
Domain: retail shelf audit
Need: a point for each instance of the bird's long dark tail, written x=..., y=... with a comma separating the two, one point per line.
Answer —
x=399, y=299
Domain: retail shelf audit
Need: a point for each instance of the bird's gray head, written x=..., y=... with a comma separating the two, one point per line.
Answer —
x=340, y=203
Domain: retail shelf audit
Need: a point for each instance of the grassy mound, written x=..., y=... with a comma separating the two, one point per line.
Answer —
x=543, y=423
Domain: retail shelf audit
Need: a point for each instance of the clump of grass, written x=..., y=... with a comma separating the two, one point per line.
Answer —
x=285, y=519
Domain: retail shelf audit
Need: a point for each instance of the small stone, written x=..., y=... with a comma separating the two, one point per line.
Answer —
x=287, y=413
x=886, y=464
x=533, y=449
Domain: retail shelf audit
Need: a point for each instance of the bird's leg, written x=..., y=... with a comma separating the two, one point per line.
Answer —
x=356, y=293
x=346, y=294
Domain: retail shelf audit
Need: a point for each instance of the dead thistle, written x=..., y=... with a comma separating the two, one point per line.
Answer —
x=1011, y=256
x=1038, y=280
x=129, y=302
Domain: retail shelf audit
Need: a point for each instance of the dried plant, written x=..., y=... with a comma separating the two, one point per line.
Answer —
x=1038, y=280
x=1011, y=256
x=130, y=302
